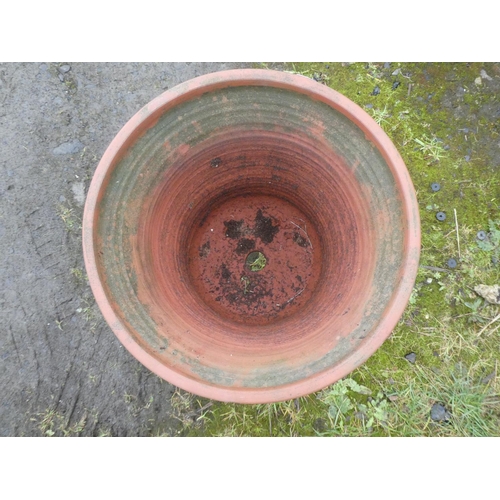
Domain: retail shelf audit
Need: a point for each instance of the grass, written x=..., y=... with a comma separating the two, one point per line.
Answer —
x=431, y=147
x=69, y=218
x=450, y=328
x=89, y=312
x=380, y=115
x=51, y=423
x=79, y=276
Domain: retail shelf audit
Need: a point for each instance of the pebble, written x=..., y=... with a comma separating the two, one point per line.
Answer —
x=412, y=357
x=369, y=106
x=387, y=65
x=376, y=90
x=439, y=413
x=68, y=148
x=489, y=293
x=396, y=73
x=64, y=68
x=485, y=75
x=478, y=81
x=395, y=85
x=467, y=158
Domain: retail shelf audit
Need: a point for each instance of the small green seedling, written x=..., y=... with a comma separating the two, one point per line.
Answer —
x=256, y=261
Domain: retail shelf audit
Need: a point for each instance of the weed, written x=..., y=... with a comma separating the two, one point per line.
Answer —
x=380, y=115
x=47, y=422
x=78, y=275
x=246, y=282
x=77, y=428
x=475, y=306
x=431, y=147
x=88, y=311
x=128, y=398
x=344, y=405
x=104, y=432
x=51, y=423
x=69, y=218
x=258, y=263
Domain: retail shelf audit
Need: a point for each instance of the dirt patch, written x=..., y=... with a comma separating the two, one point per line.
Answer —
x=264, y=228
x=234, y=229
x=245, y=245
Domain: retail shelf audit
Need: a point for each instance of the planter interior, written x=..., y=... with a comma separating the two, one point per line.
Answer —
x=251, y=236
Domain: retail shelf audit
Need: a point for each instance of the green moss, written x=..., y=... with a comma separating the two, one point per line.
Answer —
x=438, y=119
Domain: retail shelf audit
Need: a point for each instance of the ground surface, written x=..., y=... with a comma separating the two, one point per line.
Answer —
x=62, y=371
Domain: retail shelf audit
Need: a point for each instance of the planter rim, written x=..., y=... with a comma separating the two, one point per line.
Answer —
x=145, y=118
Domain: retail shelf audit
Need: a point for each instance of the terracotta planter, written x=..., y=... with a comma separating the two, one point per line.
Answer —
x=251, y=236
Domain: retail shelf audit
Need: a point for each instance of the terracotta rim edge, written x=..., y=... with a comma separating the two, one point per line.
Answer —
x=373, y=132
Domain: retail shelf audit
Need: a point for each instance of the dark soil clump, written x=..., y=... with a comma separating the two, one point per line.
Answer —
x=245, y=245
x=234, y=229
x=204, y=250
x=300, y=240
x=264, y=228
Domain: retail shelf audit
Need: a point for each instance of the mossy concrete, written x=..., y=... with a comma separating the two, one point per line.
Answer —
x=445, y=121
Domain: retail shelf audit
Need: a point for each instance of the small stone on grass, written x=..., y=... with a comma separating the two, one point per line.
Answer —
x=412, y=357
x=439, y=413
x=485, y=75
x=489, y=293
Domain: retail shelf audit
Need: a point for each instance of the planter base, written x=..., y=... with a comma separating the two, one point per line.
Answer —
x=252, y=259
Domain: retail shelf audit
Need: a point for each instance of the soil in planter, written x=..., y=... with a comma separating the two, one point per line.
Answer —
x=255, y=259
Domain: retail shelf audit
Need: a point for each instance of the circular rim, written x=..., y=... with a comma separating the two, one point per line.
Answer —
x=146, y=117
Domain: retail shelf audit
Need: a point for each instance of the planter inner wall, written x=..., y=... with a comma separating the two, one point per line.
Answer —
x=184, y=292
